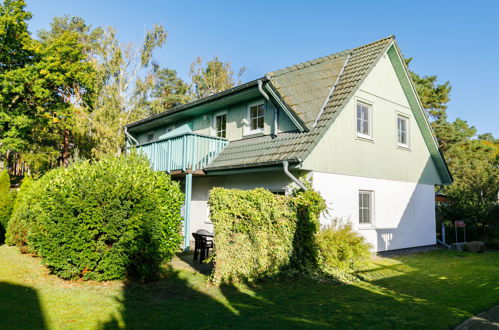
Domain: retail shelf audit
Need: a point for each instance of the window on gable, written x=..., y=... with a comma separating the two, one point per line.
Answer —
x=403, y=131
x=221, y=125
x=364, y=120
x=366, y=199
x=256, y=118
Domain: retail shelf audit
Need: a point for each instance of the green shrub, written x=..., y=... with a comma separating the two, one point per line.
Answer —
x=259, y=234
x=7, y=199
x=307, y=206
x=104, y=220
x=342, y=251
x=25, y=212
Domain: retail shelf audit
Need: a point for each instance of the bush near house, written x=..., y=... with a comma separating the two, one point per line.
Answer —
x=259, y=234
x=342, y=251
x=102, y=220
x=7, y=199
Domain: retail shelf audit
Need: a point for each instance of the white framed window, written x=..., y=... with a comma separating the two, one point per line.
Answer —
x=256, y=118
x=364, y=120
x=402, y=131
x=366, y=207
x=220, y=124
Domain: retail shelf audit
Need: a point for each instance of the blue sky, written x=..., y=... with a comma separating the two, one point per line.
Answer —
x=456, y=40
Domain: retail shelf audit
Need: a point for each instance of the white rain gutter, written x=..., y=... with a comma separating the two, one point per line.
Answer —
x=300, y=184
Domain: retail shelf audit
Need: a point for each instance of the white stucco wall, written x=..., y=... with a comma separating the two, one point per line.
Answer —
x=404, y=212
x=201, y=186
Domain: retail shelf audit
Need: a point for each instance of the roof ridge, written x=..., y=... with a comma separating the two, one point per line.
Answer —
x=321, y=59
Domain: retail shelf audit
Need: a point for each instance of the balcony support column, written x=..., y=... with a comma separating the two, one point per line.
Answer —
x=187, y=210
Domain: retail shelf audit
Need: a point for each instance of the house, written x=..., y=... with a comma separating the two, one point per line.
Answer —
x=350, y=122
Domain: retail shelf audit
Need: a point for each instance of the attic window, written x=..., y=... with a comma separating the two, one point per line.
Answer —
x=364, y=120
x=403, y=131
x=256, y=117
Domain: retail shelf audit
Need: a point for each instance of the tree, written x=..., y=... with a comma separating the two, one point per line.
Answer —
x=168, y=91
x=475, y=167
x=43, y=82
x=473, y=161
x=434, y=97
x=214, y=77
x=126, y=77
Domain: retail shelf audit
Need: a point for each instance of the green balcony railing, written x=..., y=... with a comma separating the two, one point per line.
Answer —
x=188, y=151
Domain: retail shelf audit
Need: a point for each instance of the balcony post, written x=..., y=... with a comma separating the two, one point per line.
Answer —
x=187, y=210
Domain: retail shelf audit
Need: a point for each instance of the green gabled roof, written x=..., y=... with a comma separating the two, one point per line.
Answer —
x=305, y=87
x=261, y=151
x=355, y=66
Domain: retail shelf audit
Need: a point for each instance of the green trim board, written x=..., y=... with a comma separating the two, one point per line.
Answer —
x=418, y=112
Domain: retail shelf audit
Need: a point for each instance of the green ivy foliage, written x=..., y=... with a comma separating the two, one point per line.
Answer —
x=7, y=199
x=259, y=234
x=103, y=220
x=341, y=251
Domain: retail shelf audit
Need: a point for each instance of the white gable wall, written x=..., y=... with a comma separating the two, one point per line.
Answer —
x=402, y=180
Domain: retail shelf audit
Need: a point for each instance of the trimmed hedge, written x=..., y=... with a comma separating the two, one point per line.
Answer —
x=101, y=221
x=7, y=199
x=259, y=234
x=25, y=212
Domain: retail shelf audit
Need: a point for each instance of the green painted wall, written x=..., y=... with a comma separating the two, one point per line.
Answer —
x=340, y=151
x=237, y=122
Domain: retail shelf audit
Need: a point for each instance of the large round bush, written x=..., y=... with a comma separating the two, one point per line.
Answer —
x=108, y=219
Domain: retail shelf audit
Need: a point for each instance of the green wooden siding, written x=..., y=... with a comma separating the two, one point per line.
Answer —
x=236, y=121
x=340, y=151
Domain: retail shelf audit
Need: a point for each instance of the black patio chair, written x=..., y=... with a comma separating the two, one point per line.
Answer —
x=202, y=246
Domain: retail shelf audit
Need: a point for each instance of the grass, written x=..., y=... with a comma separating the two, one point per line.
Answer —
x=437, y=290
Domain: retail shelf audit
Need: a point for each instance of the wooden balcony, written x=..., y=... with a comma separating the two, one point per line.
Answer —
x=184, y=152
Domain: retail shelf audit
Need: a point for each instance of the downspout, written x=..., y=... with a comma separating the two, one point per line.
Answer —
x=267, y=98
x=300, y=184
x=130, y=137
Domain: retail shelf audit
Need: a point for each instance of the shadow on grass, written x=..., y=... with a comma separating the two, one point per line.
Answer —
x=403, y=294
x=20, y=308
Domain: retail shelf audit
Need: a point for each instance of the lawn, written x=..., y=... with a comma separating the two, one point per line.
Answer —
x=437, y=290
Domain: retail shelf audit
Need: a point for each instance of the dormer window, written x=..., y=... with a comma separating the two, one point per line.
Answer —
x=256, y=117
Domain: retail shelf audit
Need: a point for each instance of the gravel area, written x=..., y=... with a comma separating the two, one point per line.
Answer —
x=488, y=320
x=419, y=249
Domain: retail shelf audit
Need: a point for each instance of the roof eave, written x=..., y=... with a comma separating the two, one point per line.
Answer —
x=294, y=160
x=198, y=102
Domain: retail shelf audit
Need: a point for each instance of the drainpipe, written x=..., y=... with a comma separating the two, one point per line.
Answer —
x=267, y=98
x=300, y=184
x=130, y=137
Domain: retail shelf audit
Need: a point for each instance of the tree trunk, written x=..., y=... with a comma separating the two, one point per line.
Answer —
x=65, y=148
